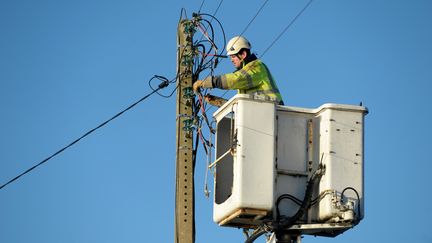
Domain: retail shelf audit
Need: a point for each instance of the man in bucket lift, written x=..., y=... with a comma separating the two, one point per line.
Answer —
x=251, y=77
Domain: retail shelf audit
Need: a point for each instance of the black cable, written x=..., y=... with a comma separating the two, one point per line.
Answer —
x=214, y=14
x=183, y=10
x=358, y=198
x=279, y=224
x=287, y=196
x=211, y=39
x=316, y=200
x=162, y=79
x=306, y=201
x=161, y=86
x=209, y=25
x=220, y=25
x=287, y=27
x=199, y=64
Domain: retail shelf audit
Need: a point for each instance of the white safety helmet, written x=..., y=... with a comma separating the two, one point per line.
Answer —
x=236, y=44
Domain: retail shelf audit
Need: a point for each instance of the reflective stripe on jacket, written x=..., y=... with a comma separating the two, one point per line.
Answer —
x=253, y=78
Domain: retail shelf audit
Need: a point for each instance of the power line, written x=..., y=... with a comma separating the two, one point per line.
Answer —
x=287, y=27
x=254, y=17
x=250, y=22
x=161, y=86
x=217, y=9
x=202, y=3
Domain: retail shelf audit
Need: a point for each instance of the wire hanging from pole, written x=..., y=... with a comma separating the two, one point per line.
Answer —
x=162, y=85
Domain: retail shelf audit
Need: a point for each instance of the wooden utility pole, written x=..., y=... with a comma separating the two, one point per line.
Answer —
x=184, y=201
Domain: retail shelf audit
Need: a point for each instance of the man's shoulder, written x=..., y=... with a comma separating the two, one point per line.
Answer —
x=254, y=64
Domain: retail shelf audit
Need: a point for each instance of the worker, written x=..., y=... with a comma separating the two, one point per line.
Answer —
x=251, y=77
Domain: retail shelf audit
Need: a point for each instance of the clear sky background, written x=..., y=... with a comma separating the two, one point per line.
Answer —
x=67, y=66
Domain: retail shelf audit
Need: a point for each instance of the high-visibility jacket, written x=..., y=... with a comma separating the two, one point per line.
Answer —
x=253, y=78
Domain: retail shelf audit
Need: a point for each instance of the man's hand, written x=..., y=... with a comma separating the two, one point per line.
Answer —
x=197, y=85
x=206, y=83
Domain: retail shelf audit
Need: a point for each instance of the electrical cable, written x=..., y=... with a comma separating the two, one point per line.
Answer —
x=217, y=8
x=208, y=161
x=254, y=17
x=220, y=25
x=161, y=86
x=214, y=13
x=305, y=203
x=250, y=22
x=201, y=20
x=287, y=27
x=201, y=64
x=203, y=113
x=162, y=79
x=318, y=199
x=183, y=10
x=279, y=224
x=358, y=198
x=202, y=3
x=205, y=34
x=287, y=196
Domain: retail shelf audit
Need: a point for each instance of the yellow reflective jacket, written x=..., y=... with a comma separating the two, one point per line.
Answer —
x=253, y=78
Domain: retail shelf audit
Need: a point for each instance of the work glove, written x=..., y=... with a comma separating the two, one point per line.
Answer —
x=206, y=83
x=215, y=100
x=197, y=85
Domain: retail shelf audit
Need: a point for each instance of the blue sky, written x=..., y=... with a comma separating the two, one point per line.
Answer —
x=67, y=66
